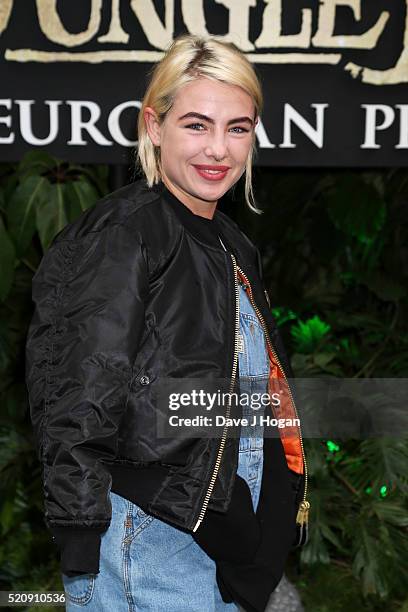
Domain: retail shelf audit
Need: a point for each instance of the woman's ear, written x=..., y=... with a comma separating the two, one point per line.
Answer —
x=152, y=125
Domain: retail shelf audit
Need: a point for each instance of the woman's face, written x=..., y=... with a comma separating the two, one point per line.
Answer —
x=217, y=133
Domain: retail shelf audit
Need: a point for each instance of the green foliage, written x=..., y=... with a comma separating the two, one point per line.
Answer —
x=283, y=314
x=42, y=195
x=308, y=336
x=356, y=207
x=38, y=197
x=336, y=259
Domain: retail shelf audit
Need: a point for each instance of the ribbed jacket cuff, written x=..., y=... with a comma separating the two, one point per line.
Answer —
x=79, y=548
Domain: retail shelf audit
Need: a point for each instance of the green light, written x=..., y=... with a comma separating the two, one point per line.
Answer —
x=282, y=314
x=383, y=491
x=333, y=448
x=307, y=335
x=368, y=490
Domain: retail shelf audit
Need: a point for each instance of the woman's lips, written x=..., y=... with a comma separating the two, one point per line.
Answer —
x=212, y=175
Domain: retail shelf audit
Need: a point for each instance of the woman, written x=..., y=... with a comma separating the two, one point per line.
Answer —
x=151, y=284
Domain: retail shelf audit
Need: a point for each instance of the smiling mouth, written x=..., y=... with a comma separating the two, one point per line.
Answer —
x=214, y=173
x=211, y=168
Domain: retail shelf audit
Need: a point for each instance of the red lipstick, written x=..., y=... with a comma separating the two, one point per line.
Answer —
x=211, y=172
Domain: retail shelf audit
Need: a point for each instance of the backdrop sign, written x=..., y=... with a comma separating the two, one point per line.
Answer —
x=334, y=74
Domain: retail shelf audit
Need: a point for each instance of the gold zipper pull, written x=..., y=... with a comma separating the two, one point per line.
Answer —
x=303, y=513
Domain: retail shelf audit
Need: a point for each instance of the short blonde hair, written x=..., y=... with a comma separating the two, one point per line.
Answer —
x=188, y=58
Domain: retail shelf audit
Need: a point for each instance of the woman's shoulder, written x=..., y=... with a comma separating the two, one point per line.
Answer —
x=131, y=206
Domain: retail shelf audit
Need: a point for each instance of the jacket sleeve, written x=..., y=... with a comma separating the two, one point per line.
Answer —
x=89, y=296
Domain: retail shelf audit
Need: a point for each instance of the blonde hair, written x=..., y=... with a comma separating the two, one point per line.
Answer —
x=188, y=58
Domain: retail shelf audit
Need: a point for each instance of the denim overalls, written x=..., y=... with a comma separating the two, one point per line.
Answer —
x=253, y=376
x=147, y=564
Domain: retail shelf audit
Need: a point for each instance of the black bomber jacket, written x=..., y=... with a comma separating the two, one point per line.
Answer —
x=137, y=288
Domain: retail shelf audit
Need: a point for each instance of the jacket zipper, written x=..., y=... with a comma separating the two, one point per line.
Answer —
x=233, y=376
x=302, y=514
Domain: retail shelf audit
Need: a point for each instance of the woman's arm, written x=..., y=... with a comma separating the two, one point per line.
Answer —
x=82, y=341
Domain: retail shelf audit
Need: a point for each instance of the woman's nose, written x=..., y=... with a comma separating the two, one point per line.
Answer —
x=216, y=147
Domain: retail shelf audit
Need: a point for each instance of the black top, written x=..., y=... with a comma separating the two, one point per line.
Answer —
x=202, y=227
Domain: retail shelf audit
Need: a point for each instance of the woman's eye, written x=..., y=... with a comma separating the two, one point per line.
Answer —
x=240, y=128
x=194, y=125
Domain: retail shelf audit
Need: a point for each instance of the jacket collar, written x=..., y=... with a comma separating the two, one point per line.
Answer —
x=205, y=230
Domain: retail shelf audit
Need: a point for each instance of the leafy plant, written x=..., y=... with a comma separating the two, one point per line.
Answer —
x=308, y=336
x=38, y=197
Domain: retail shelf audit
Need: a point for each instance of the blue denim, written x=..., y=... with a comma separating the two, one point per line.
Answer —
x=148, y=565
x=253, y=375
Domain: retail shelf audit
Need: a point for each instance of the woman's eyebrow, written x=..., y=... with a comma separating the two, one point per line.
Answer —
x=205, y=118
